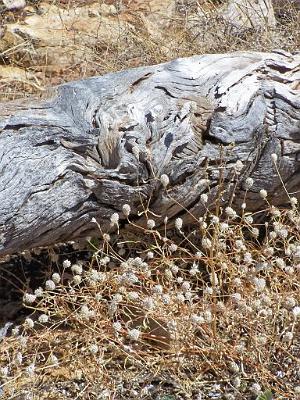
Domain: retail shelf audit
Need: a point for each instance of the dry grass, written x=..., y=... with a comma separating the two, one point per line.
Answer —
x=211, y=311
x=205, y=313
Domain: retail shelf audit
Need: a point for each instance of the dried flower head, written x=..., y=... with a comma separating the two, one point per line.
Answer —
x=50, y=285
x=263, y=194
x=164, y=179
x=29, y=298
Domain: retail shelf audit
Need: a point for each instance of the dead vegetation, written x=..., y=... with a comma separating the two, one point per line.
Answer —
x=211, y=313
x=46, y=44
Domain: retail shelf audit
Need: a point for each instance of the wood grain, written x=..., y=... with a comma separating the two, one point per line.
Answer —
x=73, y=155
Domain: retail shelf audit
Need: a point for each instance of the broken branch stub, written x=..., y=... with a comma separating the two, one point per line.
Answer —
x=94, y=145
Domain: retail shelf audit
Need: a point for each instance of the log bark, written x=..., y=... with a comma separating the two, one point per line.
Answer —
x=89, y=147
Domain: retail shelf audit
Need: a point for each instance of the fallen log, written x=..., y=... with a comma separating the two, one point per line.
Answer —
x=88, y=147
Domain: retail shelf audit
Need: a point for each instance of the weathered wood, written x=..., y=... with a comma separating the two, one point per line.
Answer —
x=93, y=145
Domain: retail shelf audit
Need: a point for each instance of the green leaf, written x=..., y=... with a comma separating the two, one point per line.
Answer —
x=267, y=395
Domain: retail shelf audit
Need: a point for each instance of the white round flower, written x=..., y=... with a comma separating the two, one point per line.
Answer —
x=260, y=284
x=39, y=292
x=30, y=369
x=50, y=285
x=164, y=179
x=158, y=289
x=208, y=316
x=180, y=297
x=93, y=349
x=150, y=255
x=236, y=382
x=86, y=313
x=29, y=298
x=117, y=326
x=29, y=323
x=56, y=277
x=173, y=247
x=263, y=194
x=248, y=258
x=255, y=232
x=185, y=286
x=178, y=223
x=106, y=237
x=206, y=243
x=197, y=319
x=126, y=209
x=77, y=279
x=296, y=312
x=287, y=337
x=233, y=366
x=238, y=166
x=229, y=211
x=149, y=303
x=293, y=201
x=133, y=296
x=114, y=219
x=215, y=220
x=255, y=388
x=43, y=318
x=274, y=157
x=19, y=358
x=150, y=224
x=165, y=298
x=248, y=183
x=4, y=372
x=76, y=269
x=66, y=263
x=134, y=334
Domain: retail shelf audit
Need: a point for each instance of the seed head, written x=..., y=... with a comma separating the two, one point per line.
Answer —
x=126, y=209
x=76, y=269
x=28, y=323
x=66, y=263
x=43, y=318
x=296, y=312
x=164, y=179
x=255, y=388
x=287, y=337
x=93, y=349
x=29, y=298
x=56, y=277
x=114, y=219
x=178, y=223
x=50, y=285
x=238, y=166
x=294, y=201
x=117, y=326
x=134, y=334
x=248, y=183
x=230, y=212
x=263, y=194
x=150, y=224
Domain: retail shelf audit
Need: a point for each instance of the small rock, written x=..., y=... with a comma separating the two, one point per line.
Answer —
x=14, y=4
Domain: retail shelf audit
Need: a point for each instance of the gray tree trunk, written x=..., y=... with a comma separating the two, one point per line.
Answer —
x=88, y=147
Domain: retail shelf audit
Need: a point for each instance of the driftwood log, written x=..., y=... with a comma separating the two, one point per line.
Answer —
x=88, y=147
